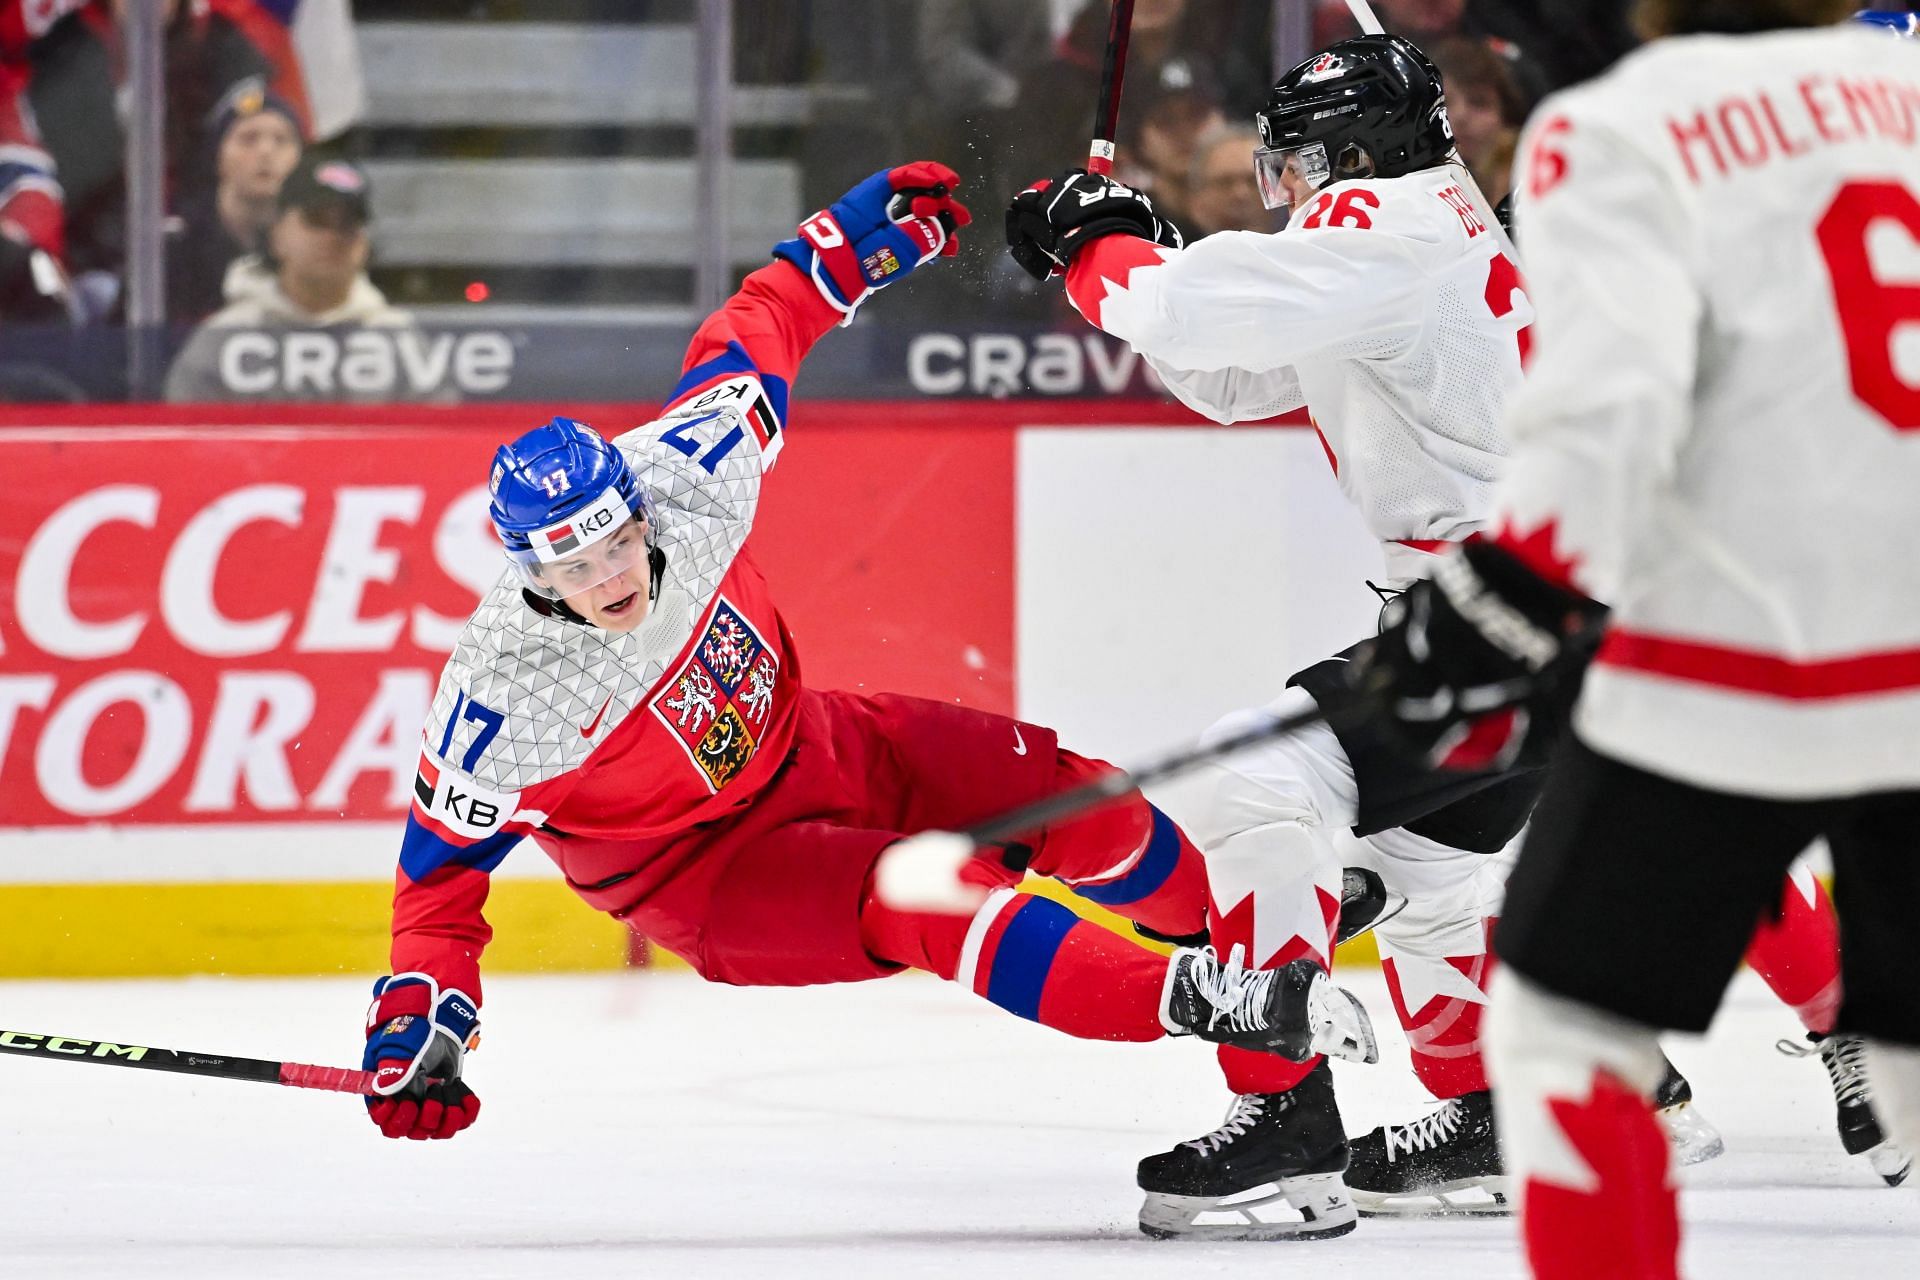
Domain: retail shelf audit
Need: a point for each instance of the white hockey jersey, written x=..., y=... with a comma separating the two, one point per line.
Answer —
x=1393, y=309
x=1720, y=433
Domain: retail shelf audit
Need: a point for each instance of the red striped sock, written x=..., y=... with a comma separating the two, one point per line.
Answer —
x=1032, y=957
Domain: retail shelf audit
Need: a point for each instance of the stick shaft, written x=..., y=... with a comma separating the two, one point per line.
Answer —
x=1106, y=112
x=1029, y=818
x=1364, y=15
x=108, y=1054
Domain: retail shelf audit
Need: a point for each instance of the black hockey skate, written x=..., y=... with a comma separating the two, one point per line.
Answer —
x=1845, y=1058
x=1270, y=1172
x=1690, y=1136
x=1445, y=1163
x=1295, y=1011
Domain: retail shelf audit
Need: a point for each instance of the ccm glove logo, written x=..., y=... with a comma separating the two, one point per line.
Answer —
x=823, y=231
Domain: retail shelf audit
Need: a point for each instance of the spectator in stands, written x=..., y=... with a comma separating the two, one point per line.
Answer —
x=1171, y=39
x=1421, y=21
x=1169, y=116
x=255, y=141
x=1484, y=103
x=31, y=221
x=294, y=330
x=1564, y=42
x=1222, y=194
x=971, y=56
x=973, y=53
x=62, y=74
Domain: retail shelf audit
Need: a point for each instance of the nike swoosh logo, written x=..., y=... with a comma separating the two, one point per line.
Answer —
x=1019, y=743
x=588, y=731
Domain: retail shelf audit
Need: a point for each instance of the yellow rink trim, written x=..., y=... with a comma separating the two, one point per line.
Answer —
x=140, y=930
x=156, y=930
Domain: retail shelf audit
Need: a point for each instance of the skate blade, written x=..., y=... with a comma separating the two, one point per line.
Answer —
x=1891, y=1163
x=1308, y=1208
x=1690, y=1136
x=1341, y=1027
x=1466, y=1198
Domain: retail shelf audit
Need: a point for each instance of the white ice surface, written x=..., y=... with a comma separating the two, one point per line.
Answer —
x=650, y=1125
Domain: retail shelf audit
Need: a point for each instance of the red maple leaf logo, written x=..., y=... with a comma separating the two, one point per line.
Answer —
x=1626, y=1221
x=1538, y=551
x=1236, y=925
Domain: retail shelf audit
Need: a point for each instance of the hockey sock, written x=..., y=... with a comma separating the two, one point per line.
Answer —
x=1129, y=857
x=1276, y=893
x=1798, y=953
x=1033, y=957
x=1617, y=1216
x=1577, y=1134
x=1439, y=1001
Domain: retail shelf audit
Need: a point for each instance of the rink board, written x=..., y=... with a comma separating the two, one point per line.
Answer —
x=219, y=631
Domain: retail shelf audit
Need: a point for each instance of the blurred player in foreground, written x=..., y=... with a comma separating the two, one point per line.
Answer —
x=1393, y=307
x=1718, y=440
x=629, y=696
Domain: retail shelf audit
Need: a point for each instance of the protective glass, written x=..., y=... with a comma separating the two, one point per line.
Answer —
x=1285, y=172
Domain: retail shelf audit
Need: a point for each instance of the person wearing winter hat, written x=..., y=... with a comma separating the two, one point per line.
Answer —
x=254, y=143
x=296, y=311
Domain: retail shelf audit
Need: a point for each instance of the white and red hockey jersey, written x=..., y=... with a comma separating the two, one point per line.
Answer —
x=1720, y=434
x=542, y=722
x=1393, y=309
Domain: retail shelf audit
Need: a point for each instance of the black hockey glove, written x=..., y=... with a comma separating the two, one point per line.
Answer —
x=1055, y=217
x=1480, y=659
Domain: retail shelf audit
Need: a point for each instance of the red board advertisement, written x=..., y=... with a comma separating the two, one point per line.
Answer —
x=211, y=617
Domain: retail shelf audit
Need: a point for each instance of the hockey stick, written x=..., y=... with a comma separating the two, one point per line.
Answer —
x=298, y=1075
x=1106, y=112
x=925, y=872
x=1370, y=25
x=1029, y=818
x=1363, y=14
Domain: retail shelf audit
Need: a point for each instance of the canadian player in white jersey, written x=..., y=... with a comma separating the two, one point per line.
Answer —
x=1719, y=439
x=1393, y=308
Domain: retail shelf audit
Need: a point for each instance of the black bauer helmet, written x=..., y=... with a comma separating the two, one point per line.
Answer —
x=1376, y=97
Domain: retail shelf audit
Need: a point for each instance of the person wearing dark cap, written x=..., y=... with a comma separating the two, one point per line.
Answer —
x=310, y=276
x=254, y=142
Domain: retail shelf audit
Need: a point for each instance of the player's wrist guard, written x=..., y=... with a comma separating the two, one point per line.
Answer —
x=1056, y=217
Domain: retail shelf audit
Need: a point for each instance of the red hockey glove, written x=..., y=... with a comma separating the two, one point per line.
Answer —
x=1054, y=218
x=416, y=1040
x=1480, y=657
x=877, y=233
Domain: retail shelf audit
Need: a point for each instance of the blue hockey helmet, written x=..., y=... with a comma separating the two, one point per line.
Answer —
x=1898, y=21
x=568, y=509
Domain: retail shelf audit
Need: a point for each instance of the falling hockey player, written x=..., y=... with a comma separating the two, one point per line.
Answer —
x=628, y=696
x=1393, y=307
